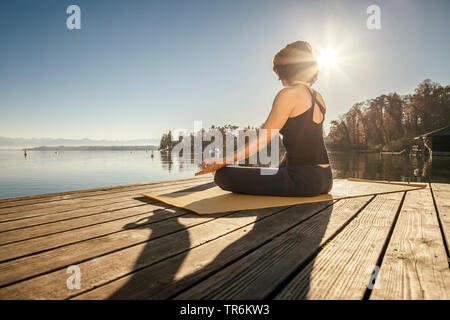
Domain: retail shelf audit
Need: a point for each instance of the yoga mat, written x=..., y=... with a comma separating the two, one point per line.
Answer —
x=215, y=200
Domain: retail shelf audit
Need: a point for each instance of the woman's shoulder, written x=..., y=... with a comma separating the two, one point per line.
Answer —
x=293, y=92
x=298, y=96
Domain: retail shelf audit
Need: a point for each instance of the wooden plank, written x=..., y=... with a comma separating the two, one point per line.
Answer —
x=60, y=222
x=441, y=195
x=83, y=192
x=51, y=197
x=407, y=183
x=258, y=274
x=339, y=271
x=64, y=205
x=47, y=261
x=170, y=276
x=117, y=264
x=149, y=214
x=415, y=265
x=41, y=222
x=17, y=208
x=88, y=220
x=47, y=209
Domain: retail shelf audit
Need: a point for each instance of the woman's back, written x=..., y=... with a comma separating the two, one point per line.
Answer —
x=303, y=134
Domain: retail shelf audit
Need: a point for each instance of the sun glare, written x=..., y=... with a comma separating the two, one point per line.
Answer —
x=328, y=59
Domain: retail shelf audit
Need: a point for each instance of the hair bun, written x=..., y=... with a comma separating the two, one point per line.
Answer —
x=300, y=45
x=296, y=61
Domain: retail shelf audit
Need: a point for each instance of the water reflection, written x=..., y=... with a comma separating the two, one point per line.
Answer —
x=166, y=161
x=390, y=167
x=44, y=171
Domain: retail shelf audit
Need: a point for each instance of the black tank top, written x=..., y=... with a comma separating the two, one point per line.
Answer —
x=303, y=138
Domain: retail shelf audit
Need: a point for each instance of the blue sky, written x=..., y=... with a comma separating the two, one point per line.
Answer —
x=139, y=68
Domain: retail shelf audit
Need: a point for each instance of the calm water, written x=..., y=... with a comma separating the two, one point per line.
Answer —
x=44, y=171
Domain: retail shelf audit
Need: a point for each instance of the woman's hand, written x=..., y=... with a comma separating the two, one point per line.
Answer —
x=210, y=165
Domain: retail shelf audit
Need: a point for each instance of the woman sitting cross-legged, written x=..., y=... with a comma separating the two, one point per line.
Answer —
x=298, y=113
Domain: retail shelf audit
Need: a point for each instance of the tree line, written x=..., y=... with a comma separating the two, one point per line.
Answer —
x=230, y=134
x=387, y=122
x=391, y=121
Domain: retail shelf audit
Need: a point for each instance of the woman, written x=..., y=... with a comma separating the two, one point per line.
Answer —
x=297, y=113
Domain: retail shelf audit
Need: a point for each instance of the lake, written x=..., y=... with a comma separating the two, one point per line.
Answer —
x=46, y=171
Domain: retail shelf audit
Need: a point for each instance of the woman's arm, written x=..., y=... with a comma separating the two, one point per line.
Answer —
x=281, y=109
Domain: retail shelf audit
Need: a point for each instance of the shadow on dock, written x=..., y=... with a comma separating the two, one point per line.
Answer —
x=135, y=287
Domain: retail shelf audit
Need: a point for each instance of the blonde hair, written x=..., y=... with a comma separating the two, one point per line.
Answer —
x=296, y=62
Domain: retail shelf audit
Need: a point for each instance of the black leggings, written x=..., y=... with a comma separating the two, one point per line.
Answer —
x=301, y=181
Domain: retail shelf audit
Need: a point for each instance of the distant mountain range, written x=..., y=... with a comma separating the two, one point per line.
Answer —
x=95, y=148
x=20, y=143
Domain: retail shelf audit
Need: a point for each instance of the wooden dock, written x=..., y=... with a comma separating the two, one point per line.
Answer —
x=129, y=247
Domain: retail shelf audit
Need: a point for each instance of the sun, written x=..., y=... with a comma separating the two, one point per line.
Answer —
x=328, y=59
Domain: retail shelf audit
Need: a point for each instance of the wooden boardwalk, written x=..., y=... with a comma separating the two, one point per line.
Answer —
x=129, y=247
